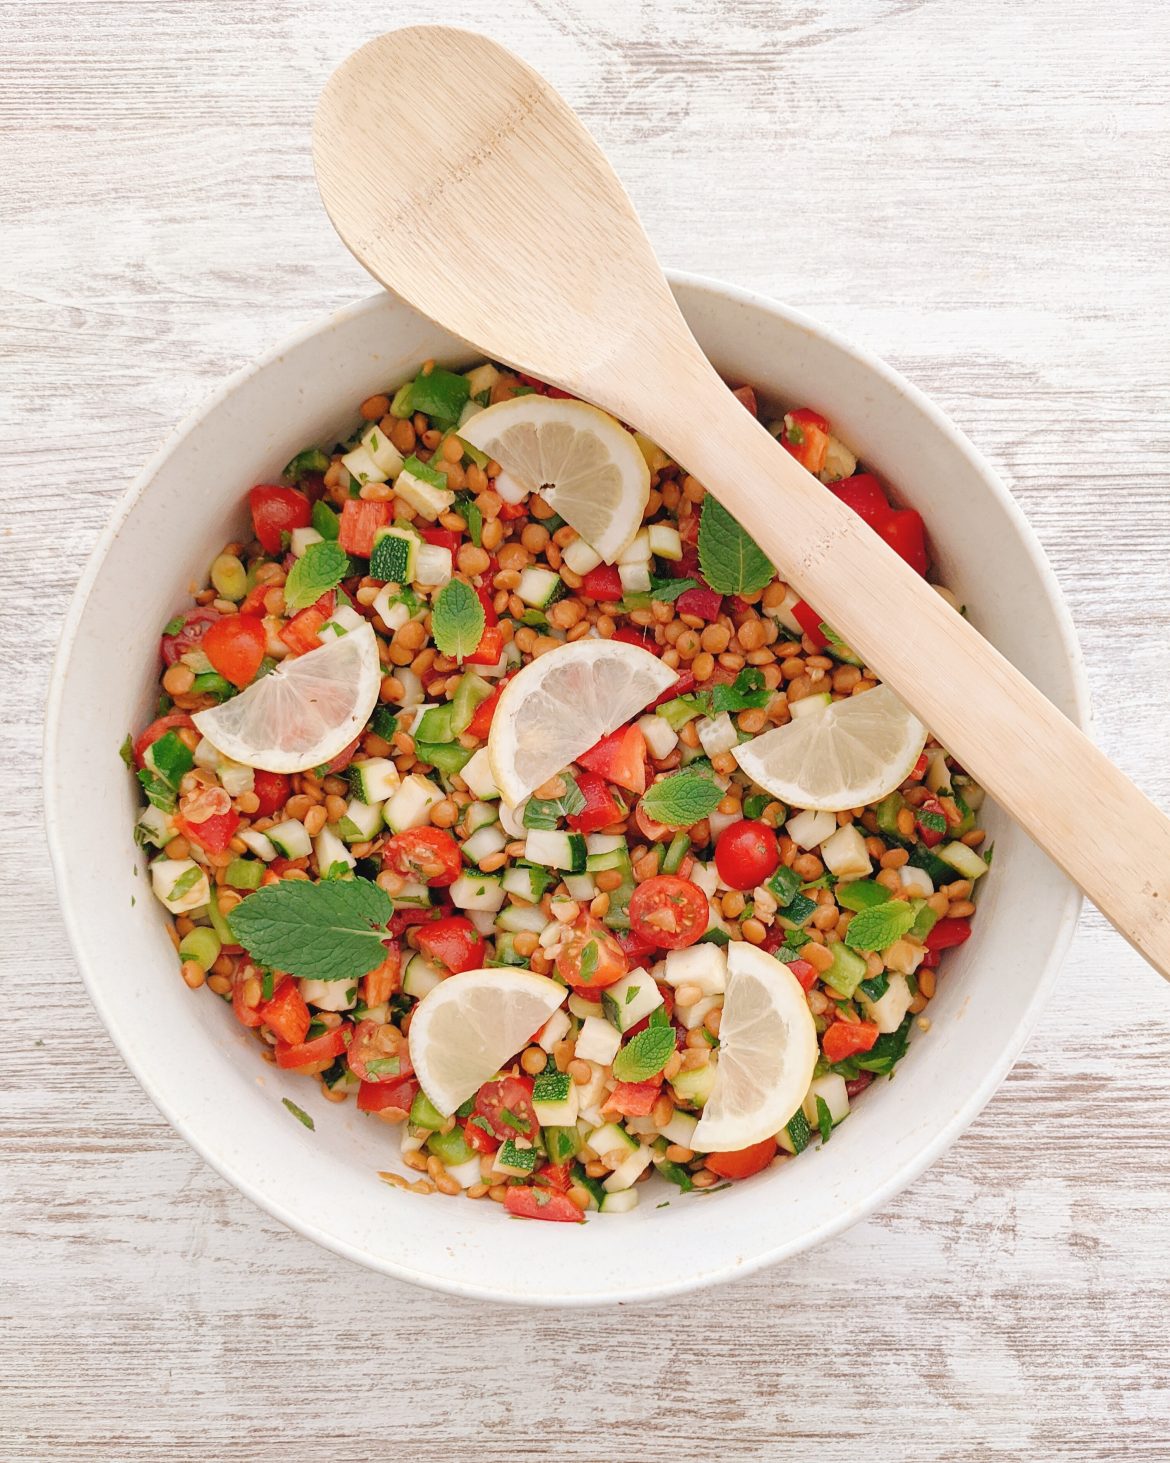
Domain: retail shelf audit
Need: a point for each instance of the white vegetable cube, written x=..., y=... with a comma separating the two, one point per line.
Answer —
x=889, y=1010
x=706, y=876
x=386, y=456
x=154, y=827
x=509, y=489
x=330, y=995
x=331, y=851
x=665, y=542
x=580, y=557
x=635, y=577
x=809, y=829
x=579, y=1006
x=554, y=1099
x=612, y=1138
x=360, y=465
x=968, y=863
x=590, y=1093
x=291, y=839
x=916, y=882
x=433, y=565
x=393, y=611
x=300, y=539
x=903, y=957
x=694, y=1015
x=344, y=619
x=839, y=462
x=704, y=966
x=427, y=501
x=718, y=734
x=482, y=378
x=637, y=551
x=831, y=1089
x=783, y=612
x=465, y=1174
x=810, y=705
x=362, y=821
x=411, y=804
x=478, y=891
x=628, y=1172
x=630, y=999
x=597, y=1041
x=554, y=1030
x=374, y=779
x=661, y=737
x=484, y=921
x=845, y=854
x=182, y=885
x=477, y=776
x=680, y=1129
x=537, y=587
x=260, y=844
x=938, y=774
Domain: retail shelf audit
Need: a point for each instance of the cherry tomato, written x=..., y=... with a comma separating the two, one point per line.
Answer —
x=273, y=790
x=379, y=984
x=235, y=646
x=276, y=511
x=285, y=1012
x=302, y=633
x=214, y=833
x=453, y=942
x=389, y=1097
x=905, y=533
x=743, y=1162
x=246, y=1015
x=506, y=1106
x=601, y=807
x=634, y=1099
x=527, y=1202
x=635, y=946
x=948, y=933
x=591, y=959
x=602, y=583
x=171, y=722
x=844, y=1038
x=672, y=912
x=806, y=436
x=360, y=521
x=650, y=827
x=195, y=625
x=323, y=1049
x=343, y=759
x=479, y=1140
x=378, y=1052
x=557, y=1176
x=429, y=855
x=746, y=854
x=619, y=757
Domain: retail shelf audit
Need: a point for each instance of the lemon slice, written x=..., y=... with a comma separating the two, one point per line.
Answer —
x=465, y=1029
x=559, y=705
x=580, y=459
x=849, y=755
x=304, y=712
x=767, y=1052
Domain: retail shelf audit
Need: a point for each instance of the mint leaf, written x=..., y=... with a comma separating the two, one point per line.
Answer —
x=877, y=927
x=544, y=812
x=300, y=1114
x=668, y=590
x=747, y=691
x=644, y=1055
x=320, y=568
x=329, y=931
x=457, y=619
x=682, y=798
x=588, y=963
x=730, y=559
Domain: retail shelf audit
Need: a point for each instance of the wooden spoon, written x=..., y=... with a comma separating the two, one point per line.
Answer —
x=465, y=184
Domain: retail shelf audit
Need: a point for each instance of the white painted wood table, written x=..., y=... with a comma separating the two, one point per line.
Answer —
x=977, y=190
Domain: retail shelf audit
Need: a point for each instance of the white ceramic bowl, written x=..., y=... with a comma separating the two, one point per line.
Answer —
x=200, y=1067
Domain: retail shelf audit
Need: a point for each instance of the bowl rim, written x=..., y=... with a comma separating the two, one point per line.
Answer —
x=734, y=1267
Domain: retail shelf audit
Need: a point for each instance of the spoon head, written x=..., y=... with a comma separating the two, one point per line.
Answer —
x=461, y=180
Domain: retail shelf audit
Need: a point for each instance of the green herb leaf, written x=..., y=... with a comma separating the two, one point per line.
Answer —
x=887, y=1051
x=824, y=1119
x=457, y=619
x=860, y=894
x=682, y=799
x=588, y=962
x=126, y=751
x=300, y=1114
x=384, y=1067
x=668, y=590
x=875, y=988
x=320, y=568
x=185, y=883
x=747, y=691
x=172, y=627
x=730, y=559
x=644, y=1055
x=879, y=926
x=311, y=460
x=328, y=931
x=544, y=812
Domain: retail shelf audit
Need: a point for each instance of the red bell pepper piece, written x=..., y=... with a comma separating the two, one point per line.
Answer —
x=639, y=635
x=602, y=583
x=509, y=512
x=929, y=829
x=323, y=1048
x=704, y=604
x=805, y=972
x=303, y=631
x=360, y=521
x=806, y=436
x=844, y=1038
x=684, y=684
x=864, y=494
x=489, y=649
x=619, y=757
x=443, y=538
x=489, y=610
x=810, y=622
x=453, y=942
x=948, y=933
x=634, y=1099
x=286, y=1013
x=277, y=510
x=905, y=533
x=601, y=807
x=378, y=1096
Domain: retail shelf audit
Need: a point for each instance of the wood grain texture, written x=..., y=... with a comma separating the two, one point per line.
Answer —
x=986, y=200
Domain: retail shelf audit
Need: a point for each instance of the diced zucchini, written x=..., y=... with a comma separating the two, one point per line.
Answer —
x=561, y=1142
x=484, y=842
x=702, y=965
x=154, y=827
x=515, y=1161
x=617, y=858
x=373, y=780
x=628, y=1000
x=479, y=815
x=259, y=843
x=596, y=843
x=420, y=976
x=809, y=705
x=844, y=853
x=580, y=557
x=581, y=1006
x=433, y=565
x=556, y=850
x=694, y=1086
x=809, y=829
x=718, y=734
x=478, y=891
x=329, y=995
x=362, y=821
x=484, y=921
x=477, y=775
x=581, y=887
x=482, y=378
x=415, y=895
x=411, y=804
x=554, y=1099
x=628, y=1172
x=331, y=851
x=361, y=466
x=831, y=1089
x=597, y=1041
x=394, y=555
x=889, y=1010
x=554, y=1030
x=794, y=1136
x=518, y=918
x=694, y=1015
x=619, y=1203
x=383, y=451
x=680, y=1129
x=180, y=884
x=635, y=578
x=300, y=539
x=612, y=1138
x=539, y=587
x=637, y=551
x=665, y=542
x=967, y=862
x=661, y=737
x=427, y=500
x=291, y=839
x=916, y=882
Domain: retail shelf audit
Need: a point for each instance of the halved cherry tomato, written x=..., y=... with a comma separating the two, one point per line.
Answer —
x=743, y=1162
x=591, y=958
x=379, y=984
x=506, y=1107
x=634, y=1099
x=454, y=942
x=864, y=494
x=746, y=395
x=360, y=521
x=844, y=1038
x=214, y=833
x=619, y=757
x=246, y=1015
x=427, y=854
x=635, y=946
x=746, y=853
x=601, y=807
x=378, y=1052
x=489, y=649
x=671, y=911
x=171, y=722
x=383, y=1096
x=303, y=631
x=602, y=583
x=196, y=624
x=286, y=1013
x=804, y=971
x=929, y=835
x=276, y=511
x=948, y=933
x=324, y=1048
x=527, y=1202
x=707, y=604
x=235, y=647
x=810, y=622
x=651, y=828
x=806, y=436
x=273, y=789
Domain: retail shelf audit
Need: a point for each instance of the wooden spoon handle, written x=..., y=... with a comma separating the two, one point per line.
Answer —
x=1105, y=834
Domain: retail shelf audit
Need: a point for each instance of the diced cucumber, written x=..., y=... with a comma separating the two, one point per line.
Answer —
x=433, y=565
x=628, y=1172
x=471, y=690
x=554, y=1030
x=383, y=451
x=718, y=734
x=916, y=882
x=484, y=842
x=411, y=804
x=420, y=976
x=554, y=1099
x=702, y=965
x=680, y=1129
x=637, y=551
x=694, y=1085
x=889, y=1010
x=597, y=1041
x=597, y=843
x=967, y=862
x=414, y=895
x=556, y=850
x=344, y=619
x=831, y=1090
x=477, y=775
x=540, y=588
x=581, y=1006
x=665, y=542
x=482, y=378
x=809, y=829
x=300, y=539
x=887, y=812
x=619, y=1203
x=202, y=945
x=154, y=827
x=427, y=500
x=291, y=839
x=844, y=853
x=847, y=971
x=695, y=1014
x=661, y=737
x=581, y=887
x=477, y=891
x=635, y=578
x=518, y=918
x=361, y=466
x=809, y=705
x=580, y=557
x=329, y=995
x=628, y=1000
x=612, y=1138
x=617, y=858
x=331, y=851
x=180, y=884
x=479, y=815
x=373, y=780
x=794, y=1136
x=395, y=555
x=259, y=843
x=484, y=921
x=450, y=1148
x=362, y=821
x=562, y=1144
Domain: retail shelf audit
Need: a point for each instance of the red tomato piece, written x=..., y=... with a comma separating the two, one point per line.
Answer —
x=378, y=1052
x=806, y=436
x=324, y=1048
x=591, y=959
x=489, y=649
x=746, y=396
x=509, y=512
x=858, y=1084
x=360, y=521
x=602, y=583
x=746, y=854
x=601, y=807
x=672, y=912
x=485, y=598
x=235, y=647
x=273, y=790
x=685, y=683
x=505, y=1106
x=479, y=1140
x=527, y=1202
x=379, y=984
x=286, y=1013
x=810, y=622
x=557, y=1176
x=214, y=833
x=383, y=1096
x=743, y=1162
x=905, y=533
x=864, y=494
x=303, y=631
x=403, y=919
x=246, y=1015
x=430, y=855
x=642, y=637
x=454, y=942
x=276, y=511
x=171, y=722
x=635, y=946
x=443, y=538
x=196, y=624
x=650, y=827
x=844, y=1038
x=948, y=933
x=619, y=757
x=634, y=1099
x=805, y=973
x=929, y=835
x=707, y=604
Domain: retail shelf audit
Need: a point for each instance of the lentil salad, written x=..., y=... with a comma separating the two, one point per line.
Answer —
x=549, y=1135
